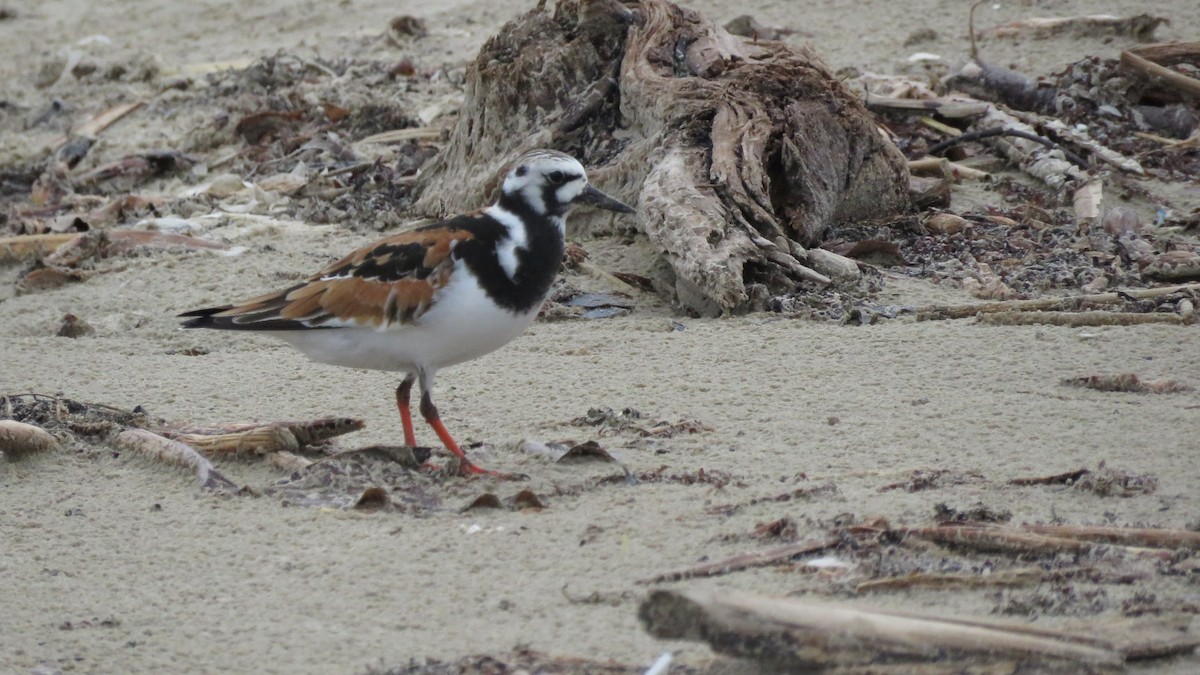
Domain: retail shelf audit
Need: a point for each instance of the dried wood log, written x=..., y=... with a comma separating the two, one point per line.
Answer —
x=18, y=439
x=720, y=142
x=802, y=636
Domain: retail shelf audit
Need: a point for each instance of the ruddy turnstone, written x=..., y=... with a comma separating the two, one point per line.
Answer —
x=418, y=301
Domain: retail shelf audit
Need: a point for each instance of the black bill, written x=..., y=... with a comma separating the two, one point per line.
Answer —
x=594, y=197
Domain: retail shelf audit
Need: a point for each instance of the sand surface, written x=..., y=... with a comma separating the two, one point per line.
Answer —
x=112, y=563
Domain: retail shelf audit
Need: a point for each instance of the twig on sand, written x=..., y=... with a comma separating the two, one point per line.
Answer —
x=1008, y=539
x=743, y=561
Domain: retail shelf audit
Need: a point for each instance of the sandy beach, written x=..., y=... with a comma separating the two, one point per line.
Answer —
x=115, y=563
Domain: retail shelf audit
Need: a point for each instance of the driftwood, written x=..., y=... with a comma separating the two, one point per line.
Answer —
x=18, y=440
x=1189, y=86
x=802, y=636
x=263, y=438
x=737, y=154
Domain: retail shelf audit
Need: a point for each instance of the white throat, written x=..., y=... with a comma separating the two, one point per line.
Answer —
x=518, y=238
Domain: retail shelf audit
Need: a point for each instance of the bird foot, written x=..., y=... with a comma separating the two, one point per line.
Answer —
x=468, y=469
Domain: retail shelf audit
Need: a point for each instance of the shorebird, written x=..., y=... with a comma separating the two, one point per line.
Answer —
x=435, y=296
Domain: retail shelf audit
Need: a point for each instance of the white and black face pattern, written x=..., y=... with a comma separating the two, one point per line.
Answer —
x=547, y=181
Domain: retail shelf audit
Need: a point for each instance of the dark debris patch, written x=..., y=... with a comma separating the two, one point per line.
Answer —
x=931, y=479
x=91, y=422
x=609, y=422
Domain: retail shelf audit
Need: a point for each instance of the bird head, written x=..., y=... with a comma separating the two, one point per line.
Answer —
x=549, y=183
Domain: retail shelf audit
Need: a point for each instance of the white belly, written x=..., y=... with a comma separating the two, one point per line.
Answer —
x=461, y=325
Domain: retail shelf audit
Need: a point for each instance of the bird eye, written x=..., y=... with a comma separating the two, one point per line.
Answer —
x=556, y=177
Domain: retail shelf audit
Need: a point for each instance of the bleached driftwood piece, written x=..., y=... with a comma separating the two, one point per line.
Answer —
x=151, y=445
x=800, y=635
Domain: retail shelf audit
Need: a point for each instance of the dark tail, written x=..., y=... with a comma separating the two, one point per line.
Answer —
x=204, y=318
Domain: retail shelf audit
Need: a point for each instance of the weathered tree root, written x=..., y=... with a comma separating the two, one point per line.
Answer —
x=735, y=153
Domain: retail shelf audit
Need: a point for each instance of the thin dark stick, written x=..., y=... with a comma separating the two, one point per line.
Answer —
x=1001, y=131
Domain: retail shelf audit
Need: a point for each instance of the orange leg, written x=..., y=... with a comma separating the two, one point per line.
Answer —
x=403, y=393
x=466, y=466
